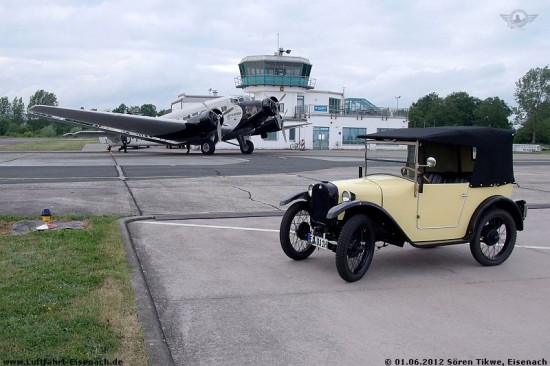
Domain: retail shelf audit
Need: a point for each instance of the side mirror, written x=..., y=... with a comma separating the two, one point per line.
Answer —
x=431, y=162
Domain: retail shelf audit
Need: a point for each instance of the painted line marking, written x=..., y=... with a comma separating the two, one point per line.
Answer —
x=213, y=226
x=270, y=230
x=532, y=247
x=121, y=175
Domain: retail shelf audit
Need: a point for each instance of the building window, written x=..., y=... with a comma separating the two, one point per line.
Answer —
x=384, y=129
x=349, y=135
x=292, y=134
x=271, y=136
x=333, y=105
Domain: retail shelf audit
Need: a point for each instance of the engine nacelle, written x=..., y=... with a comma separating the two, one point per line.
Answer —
x=269, y=125
x=207, y=120
x=270, y=106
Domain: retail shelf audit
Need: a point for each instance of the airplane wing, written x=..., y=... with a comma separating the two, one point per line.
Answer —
x=288, y=125
x=90, y=134
x=152, y=128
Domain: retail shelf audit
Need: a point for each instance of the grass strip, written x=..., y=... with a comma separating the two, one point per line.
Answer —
x=67, y=294
x=50, y=144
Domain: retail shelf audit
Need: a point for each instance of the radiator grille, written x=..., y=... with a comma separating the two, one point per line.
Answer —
x=323, y=198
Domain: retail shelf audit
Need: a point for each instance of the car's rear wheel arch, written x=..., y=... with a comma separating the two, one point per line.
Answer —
x=495, y=202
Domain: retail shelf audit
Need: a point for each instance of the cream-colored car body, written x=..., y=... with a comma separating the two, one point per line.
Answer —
x=441, y=212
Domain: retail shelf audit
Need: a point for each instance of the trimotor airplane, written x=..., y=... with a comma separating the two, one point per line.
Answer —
x=220, y=119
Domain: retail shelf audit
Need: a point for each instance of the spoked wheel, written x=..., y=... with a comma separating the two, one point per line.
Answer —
x=355, y=248
x=494, y=238
x=294, y=231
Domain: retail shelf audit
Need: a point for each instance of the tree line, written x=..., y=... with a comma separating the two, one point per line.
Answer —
x=15, y=123
x=532, y=114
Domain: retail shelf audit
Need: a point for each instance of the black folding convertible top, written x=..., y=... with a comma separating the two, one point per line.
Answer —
x=494, y=159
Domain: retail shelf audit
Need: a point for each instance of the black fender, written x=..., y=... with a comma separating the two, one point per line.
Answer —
x=516, y=209
x=388, y=229
x=302, y=196
x=344, y=206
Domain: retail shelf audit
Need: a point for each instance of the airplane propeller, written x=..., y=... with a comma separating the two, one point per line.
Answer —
x=219, y=120
x=275, y=108
x=282, y=126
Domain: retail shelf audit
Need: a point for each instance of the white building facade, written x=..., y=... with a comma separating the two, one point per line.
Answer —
x=329, y=119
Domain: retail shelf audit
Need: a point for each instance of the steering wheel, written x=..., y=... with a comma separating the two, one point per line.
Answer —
x=408, y=168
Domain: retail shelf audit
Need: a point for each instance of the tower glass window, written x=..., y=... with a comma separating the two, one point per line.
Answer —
x=276, y=71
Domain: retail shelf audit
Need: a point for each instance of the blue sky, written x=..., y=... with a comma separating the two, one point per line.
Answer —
x=98, y=54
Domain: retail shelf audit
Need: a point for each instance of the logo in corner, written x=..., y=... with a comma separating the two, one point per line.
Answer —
x=518, y=18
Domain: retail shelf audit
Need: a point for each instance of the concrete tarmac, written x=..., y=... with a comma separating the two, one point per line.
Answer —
x=213, y=286
x=226, y=294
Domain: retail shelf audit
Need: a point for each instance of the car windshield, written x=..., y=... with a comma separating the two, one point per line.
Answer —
x=395, y=158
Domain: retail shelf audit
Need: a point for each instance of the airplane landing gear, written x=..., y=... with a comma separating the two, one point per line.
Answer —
x=208, y=147
x=246, y=146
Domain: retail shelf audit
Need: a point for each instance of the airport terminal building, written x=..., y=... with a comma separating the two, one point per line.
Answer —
x=331, y=119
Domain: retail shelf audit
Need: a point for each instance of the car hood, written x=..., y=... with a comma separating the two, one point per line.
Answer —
x=363, y=188
x=373, y=188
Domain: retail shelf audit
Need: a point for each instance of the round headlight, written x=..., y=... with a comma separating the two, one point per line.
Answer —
x=310, y=190
x=347, y=196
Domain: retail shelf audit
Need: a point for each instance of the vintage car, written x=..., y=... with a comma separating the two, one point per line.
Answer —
x=423, y=186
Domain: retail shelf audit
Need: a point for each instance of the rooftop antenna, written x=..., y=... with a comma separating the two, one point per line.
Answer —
x=280, y=50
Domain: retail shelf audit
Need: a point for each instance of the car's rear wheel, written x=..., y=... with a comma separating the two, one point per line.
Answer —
x=355, y=248
x=494, y=238
x=294, y=230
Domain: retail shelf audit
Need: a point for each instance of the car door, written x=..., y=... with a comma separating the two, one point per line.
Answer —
x=441, y=205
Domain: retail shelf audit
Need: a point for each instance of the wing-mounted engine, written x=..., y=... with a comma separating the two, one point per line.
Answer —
x=269, y=125
x=270, y=106
x=258, y=118
x=206, y=122
x=198, y=127
x=207, y=119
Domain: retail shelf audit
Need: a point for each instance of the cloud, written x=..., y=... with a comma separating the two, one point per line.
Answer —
x=100, y=53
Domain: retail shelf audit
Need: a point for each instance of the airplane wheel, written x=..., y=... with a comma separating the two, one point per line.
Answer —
x=247, y=147
x=208, y=147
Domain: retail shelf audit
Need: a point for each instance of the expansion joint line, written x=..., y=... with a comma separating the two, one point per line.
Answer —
x=122, y=177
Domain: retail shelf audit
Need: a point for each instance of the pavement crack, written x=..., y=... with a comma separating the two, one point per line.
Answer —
x=17, y=158
x=253, y=200
x=532, y=189
x=306, y=177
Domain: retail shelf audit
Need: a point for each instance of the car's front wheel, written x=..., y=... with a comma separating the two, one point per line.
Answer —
x=294, y=231
x=355, y=248
x=494, y=238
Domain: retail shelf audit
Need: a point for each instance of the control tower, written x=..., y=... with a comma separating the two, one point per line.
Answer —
x=275, y=73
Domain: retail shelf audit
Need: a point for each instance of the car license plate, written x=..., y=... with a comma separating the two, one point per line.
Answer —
x=319, y=242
